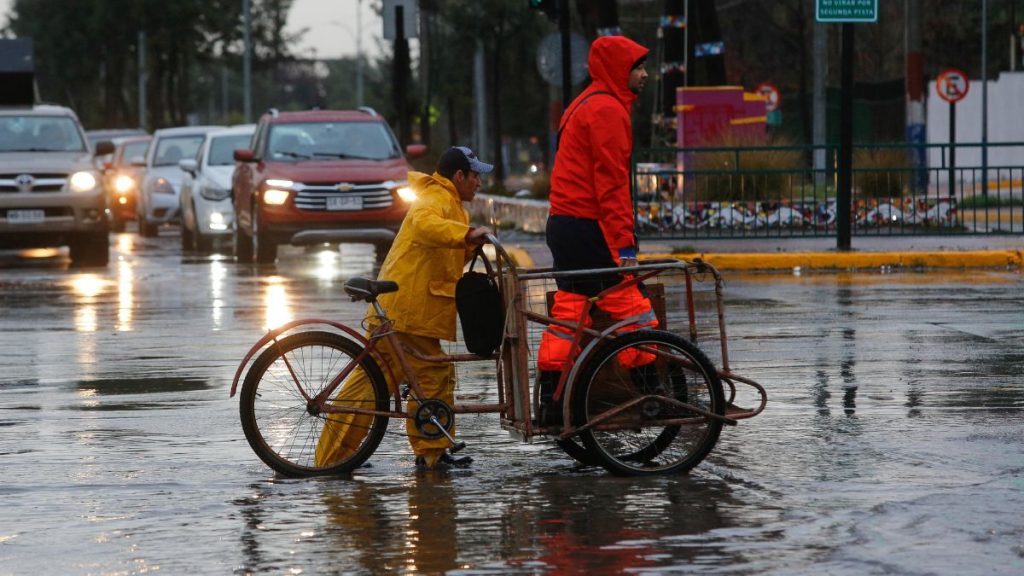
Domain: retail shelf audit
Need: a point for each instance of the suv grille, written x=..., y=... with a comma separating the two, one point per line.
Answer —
x=313, y=197
x=38, y=183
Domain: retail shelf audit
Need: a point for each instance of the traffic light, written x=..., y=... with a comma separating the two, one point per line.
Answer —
x=549, y=7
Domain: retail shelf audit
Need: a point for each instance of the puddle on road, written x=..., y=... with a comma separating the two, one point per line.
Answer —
x=151, y=385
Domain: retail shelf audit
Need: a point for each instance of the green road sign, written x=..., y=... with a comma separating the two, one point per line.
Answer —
x=846, y=10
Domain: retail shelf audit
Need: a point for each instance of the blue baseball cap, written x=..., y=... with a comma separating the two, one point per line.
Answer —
x=461, y=158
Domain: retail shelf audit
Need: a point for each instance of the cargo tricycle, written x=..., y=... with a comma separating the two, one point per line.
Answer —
x=664, y=421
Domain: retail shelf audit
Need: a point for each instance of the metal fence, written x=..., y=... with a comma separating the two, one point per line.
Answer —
x=775, y=191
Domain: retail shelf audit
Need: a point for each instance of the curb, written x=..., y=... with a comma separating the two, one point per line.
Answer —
x=520, y=256
x=855, y=260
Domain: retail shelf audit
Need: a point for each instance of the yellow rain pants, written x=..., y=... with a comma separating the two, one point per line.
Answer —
x=343, y=433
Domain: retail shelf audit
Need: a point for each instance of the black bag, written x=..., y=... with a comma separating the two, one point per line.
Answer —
x=480, y=309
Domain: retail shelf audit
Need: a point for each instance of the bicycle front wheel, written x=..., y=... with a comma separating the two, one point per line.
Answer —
x=289, y=435
x=637, y=422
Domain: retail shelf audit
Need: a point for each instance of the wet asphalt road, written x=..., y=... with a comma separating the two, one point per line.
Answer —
x=893, y=442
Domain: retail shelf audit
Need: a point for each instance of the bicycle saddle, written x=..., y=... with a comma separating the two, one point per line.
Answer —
x=365, y=289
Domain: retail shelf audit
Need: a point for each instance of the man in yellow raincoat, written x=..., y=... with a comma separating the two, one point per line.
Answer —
x=426, y=260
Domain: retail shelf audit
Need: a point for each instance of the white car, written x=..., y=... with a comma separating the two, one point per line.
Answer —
x=205, y=199
x=158, y=197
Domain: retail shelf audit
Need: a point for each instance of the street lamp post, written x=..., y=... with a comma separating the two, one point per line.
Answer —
x=359, y=53
x=359, y=50
x=247, y=63
x=984, y=97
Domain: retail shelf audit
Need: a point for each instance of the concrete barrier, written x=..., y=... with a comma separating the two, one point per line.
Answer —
x=856, y=260
x=502, y=212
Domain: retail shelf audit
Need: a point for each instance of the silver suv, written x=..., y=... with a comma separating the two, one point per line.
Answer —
x=50, y=191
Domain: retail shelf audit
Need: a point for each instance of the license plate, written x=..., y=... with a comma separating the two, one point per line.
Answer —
x=25, y=216
x=345, y=203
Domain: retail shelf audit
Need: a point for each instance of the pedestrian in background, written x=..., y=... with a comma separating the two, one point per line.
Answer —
x=429, y=253
x=590, y=224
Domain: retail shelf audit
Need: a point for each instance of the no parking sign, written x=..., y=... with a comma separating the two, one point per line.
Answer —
x=952, y=85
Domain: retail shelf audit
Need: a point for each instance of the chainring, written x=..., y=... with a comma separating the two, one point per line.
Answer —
x=440, y=410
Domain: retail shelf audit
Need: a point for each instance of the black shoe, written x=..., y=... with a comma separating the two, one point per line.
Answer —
x=455, y=461
x=445, y=461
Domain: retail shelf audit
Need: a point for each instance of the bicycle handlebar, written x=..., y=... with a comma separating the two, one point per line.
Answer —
x=500, y=250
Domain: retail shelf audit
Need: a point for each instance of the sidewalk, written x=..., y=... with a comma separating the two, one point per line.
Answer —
x=819, y=253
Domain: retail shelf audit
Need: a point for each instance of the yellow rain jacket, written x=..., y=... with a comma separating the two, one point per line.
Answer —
x=427, y=259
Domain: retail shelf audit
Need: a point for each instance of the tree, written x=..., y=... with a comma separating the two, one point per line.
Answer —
x=86, y=52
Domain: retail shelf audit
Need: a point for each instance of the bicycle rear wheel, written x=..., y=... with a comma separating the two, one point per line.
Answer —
x=284, y=431
x=651, y=433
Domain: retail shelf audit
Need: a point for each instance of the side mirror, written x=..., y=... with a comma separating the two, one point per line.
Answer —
x=139, y=161
x=103, y=148
x=415, y=150
x=244, y=155
x=189, y=165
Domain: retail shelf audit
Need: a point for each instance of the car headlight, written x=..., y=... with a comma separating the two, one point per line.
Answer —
x=82, y=182
x=214, y=193
x=123, y=184
x=162, y=186
x=406, y=193
x=218, y=221
x=275, y=197
x=273, y=183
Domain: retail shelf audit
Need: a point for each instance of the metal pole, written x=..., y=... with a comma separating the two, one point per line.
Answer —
x=984, y=97
x=480, y=96
x=915, y=110
x=224, y=94
x=359, y=54
x=425, y=50
x=820, y=100
x=247, y=63
x=686, y=44
x=563, y=28
x=142, y=79
x=952, y=149
x=844, y=194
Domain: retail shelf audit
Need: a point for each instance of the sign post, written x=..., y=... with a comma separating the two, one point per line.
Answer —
x=952, y=86
x=846, y=12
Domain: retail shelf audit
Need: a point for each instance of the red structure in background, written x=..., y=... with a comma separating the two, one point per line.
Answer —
x=719, y=116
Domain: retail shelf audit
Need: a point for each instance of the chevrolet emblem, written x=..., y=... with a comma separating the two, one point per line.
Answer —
x=344, y=187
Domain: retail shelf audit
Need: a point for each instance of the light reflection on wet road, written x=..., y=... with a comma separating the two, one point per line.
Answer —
x=893, y=442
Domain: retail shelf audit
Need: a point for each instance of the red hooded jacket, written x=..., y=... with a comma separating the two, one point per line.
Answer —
x=591, y=174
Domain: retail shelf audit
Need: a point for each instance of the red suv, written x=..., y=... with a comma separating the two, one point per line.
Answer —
x=320, y=176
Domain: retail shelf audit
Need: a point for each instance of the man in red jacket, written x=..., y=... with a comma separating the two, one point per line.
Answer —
x=590, y=224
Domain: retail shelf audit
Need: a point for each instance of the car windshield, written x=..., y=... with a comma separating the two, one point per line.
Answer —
x=171, y=149
x=40, y=134
x=222, y=148
x=134, y=150
x=325, y=140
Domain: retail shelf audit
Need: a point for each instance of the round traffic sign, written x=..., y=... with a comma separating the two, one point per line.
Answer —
x=952, y=85
x=771, y=93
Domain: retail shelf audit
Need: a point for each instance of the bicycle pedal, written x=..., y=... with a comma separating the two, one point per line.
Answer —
x=405, y=391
